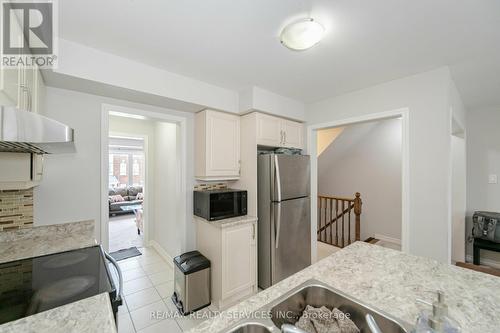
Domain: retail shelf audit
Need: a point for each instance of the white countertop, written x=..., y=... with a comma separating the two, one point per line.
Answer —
x=42, y=240
x=89, y=315
x=227, y=223
x=392, y=282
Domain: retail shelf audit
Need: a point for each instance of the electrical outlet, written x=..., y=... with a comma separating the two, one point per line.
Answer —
x=492, y=179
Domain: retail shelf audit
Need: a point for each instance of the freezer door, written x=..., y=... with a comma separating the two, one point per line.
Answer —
x=292, y=175
x=291, y=241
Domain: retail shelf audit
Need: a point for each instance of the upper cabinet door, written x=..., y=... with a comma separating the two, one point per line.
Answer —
x=293, y=134
x=10, y=86
x=217, y=145
x=269, y=131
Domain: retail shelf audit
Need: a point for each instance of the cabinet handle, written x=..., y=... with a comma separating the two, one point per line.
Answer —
x=28, y=92
x=253, y=231
x=284, y=137
x=281, y=135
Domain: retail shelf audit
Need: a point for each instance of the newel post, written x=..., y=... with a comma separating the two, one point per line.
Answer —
x=357, y=211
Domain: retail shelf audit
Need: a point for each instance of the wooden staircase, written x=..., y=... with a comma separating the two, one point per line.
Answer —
x=339, y=220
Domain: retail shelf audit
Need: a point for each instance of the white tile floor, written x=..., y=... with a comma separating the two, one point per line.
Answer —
x=147, y=308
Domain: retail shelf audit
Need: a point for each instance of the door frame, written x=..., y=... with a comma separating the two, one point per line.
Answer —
x=182, y=170
x=147, y=182
x=457, y=130
x=404, y=114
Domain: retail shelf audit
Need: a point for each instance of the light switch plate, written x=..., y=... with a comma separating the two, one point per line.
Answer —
x=492, y=179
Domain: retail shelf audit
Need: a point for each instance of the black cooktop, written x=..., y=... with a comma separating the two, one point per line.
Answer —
x=38, y=284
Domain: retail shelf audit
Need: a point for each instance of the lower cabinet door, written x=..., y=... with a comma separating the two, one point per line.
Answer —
x=238, y=260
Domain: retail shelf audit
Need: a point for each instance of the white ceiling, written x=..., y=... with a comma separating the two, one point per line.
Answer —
x=234, y=43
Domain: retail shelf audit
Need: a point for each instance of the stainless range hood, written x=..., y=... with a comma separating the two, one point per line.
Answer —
x=28, y=132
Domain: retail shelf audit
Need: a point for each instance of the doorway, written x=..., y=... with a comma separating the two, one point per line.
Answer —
x=144, y=152
x=332, y=206
x=128, y=162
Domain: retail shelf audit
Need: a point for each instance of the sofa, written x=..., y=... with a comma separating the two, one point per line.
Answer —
x=126, y=196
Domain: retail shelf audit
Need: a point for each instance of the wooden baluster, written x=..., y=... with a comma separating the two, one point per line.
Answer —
x=327, y=221
x=343, y=208
x=349, y=221
x=336, y=224
x=357, y=211
x=331, y=218
x=323, y=219
x=320, y=218
x=325, y=207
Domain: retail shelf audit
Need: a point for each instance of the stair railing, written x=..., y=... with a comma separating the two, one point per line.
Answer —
x=339, y=220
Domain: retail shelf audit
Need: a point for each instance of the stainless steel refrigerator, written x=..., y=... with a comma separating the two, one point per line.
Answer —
x=284, y=211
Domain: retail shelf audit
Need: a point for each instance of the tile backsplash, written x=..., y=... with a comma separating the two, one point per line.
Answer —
x=16, y=209
x=210, y=186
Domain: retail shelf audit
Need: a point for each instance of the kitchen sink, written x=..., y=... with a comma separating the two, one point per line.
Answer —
x=288, y=308
x=251, y=328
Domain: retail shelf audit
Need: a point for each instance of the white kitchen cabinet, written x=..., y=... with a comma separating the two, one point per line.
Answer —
x=10, y=89
x=278, y=132
x=38, y=93
x=21, y=87
x=232, y=251
x=217, y=146
x=293, y=134
x=269, y=130
x=20, y=170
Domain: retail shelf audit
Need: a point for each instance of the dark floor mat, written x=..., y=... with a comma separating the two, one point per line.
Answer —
x=125, y=253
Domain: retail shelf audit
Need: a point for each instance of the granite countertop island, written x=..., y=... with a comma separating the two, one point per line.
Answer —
x=392, y=282
x=93, y=314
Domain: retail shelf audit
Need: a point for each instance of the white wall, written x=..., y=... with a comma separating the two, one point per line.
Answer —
x=426, y=96
x=458, y=198
x=71, y=187
x=92, y=65
x=458, y=175
x=258, y=99
x=166, y=186
x=369, y=163
x=483, y=159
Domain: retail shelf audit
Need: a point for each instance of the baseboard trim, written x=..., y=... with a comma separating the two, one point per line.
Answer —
x=162, y=253
x=486, y=262
x=388, y=239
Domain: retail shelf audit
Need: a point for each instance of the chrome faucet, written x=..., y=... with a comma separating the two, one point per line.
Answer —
x=372, y=324
x=287, y=328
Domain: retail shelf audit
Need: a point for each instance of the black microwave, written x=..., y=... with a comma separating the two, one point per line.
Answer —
x=215, y=205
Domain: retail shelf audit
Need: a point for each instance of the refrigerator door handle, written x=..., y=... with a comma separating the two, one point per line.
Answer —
x=278, y=177
x=278, y=225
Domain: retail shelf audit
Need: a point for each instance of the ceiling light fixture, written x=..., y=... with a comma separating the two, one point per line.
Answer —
x=302, y=34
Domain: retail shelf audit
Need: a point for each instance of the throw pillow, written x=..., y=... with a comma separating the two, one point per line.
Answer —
x=140, y=196
x=116, y=198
